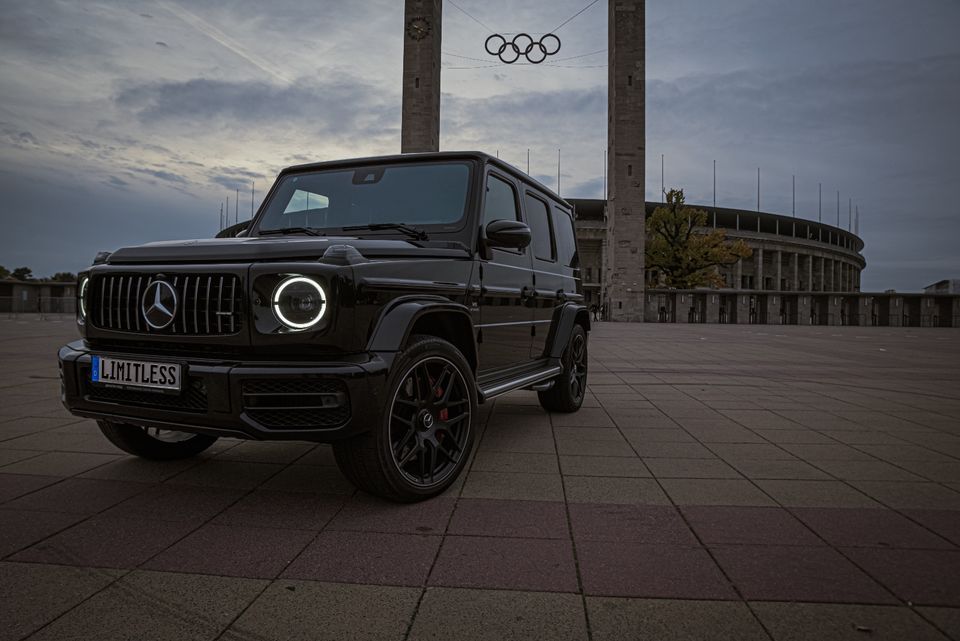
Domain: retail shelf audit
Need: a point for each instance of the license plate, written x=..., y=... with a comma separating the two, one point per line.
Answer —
x=161, y=377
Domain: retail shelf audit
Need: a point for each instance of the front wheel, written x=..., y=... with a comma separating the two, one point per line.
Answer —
x=426, y=432
x=566, y=394
x=155, y=444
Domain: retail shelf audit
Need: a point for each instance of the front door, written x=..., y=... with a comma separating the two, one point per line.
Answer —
x=506, y=281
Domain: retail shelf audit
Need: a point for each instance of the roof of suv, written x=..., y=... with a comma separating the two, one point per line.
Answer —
x=432, y=155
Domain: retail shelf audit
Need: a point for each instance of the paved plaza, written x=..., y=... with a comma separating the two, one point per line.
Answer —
x=721, y=482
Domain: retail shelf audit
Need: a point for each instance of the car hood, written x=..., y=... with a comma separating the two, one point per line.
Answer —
x=256, y=249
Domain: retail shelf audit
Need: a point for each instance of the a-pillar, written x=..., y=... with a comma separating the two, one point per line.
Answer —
x=420, y=116
x=626, y=206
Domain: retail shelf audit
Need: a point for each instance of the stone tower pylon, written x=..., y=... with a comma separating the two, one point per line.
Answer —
x=420, y=121
x=626, y=205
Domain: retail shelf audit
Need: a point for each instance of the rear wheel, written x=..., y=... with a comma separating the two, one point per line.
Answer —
x=426, y=431
x=153, y=443
x=570, y=386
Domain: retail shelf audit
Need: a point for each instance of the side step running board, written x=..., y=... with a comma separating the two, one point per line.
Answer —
x=526, y=380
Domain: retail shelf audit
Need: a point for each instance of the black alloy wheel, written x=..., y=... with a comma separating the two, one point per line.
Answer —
x=570, y=387
x=153, y=443
x=429, y=421
x=426, y=432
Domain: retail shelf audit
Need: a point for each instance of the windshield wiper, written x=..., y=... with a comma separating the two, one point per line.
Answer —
x=290, y=230
x=412, y=232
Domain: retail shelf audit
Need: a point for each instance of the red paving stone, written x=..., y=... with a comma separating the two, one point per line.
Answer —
x=661, y=571
x=747, y=525
x=925, y=577
x=107, y=542
x=869, y=528
x=635, y=523
x=226, y=550
x=503, y=518
x=366, y=557
x=821, y=574
x=367, y=513
x=502, y=563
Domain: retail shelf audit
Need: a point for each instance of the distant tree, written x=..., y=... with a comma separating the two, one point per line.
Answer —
x=4, y=272
x=64, y=277
x=22, y=273
x=683, y=250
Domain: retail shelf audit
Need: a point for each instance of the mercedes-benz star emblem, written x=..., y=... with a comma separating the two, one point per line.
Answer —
x=159, y=304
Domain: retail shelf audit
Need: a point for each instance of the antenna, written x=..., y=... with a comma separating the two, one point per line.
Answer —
x=528, y=161
x=663, y=192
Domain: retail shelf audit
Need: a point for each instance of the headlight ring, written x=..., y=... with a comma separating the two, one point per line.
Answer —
x=299, y=302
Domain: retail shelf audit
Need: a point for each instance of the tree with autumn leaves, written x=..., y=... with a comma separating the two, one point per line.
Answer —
x=683, y=250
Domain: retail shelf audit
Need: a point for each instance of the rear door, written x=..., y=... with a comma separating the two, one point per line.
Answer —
x=506, y=285
x=547, y=279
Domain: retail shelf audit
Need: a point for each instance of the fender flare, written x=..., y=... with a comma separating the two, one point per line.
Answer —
x=392, y=329
x=564, y=318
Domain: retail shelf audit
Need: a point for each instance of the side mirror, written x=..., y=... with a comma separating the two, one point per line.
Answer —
x=509, y=234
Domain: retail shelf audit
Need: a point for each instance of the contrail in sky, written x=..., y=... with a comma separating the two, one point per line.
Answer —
x=222, y=39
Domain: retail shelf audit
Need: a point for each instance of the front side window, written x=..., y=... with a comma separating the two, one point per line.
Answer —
x=501, y=201
x=423, y=195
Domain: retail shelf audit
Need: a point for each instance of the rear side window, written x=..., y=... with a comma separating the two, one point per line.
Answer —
x=538, y=219
x=566, y=238
x=501, y=201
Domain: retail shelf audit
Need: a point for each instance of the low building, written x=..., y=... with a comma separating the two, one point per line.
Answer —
x=37, y=296
x=948, y=286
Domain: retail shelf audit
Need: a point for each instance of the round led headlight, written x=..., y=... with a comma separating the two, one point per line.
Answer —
x=299, y=302
x=82, y=298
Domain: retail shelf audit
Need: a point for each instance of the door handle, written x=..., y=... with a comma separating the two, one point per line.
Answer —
x=561, y=296
x=527, y=292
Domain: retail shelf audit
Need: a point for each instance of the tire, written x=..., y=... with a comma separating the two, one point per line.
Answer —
x=570, y=386
x=157, y=445
x=426, y=431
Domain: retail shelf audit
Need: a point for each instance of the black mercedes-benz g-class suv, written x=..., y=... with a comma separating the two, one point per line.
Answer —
x=371, y=304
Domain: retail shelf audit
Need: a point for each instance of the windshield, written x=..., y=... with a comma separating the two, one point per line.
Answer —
x=416, y=195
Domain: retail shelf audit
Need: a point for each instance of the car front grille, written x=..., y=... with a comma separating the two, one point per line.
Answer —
x=287, y=404
x=192, y=399
x=207, y=304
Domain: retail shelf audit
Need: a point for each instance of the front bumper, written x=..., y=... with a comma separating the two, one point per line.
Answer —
x=265, y=400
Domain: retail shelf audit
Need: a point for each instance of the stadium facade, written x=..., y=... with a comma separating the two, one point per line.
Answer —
x=801, y=272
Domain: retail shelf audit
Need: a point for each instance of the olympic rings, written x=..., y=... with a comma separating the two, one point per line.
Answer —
x=522, y=44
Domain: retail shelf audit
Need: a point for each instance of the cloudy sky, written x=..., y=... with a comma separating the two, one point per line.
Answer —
x=124, y=122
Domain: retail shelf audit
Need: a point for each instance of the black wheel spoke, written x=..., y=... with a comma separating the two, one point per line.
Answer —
x=457, y=419
x=409, y=455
